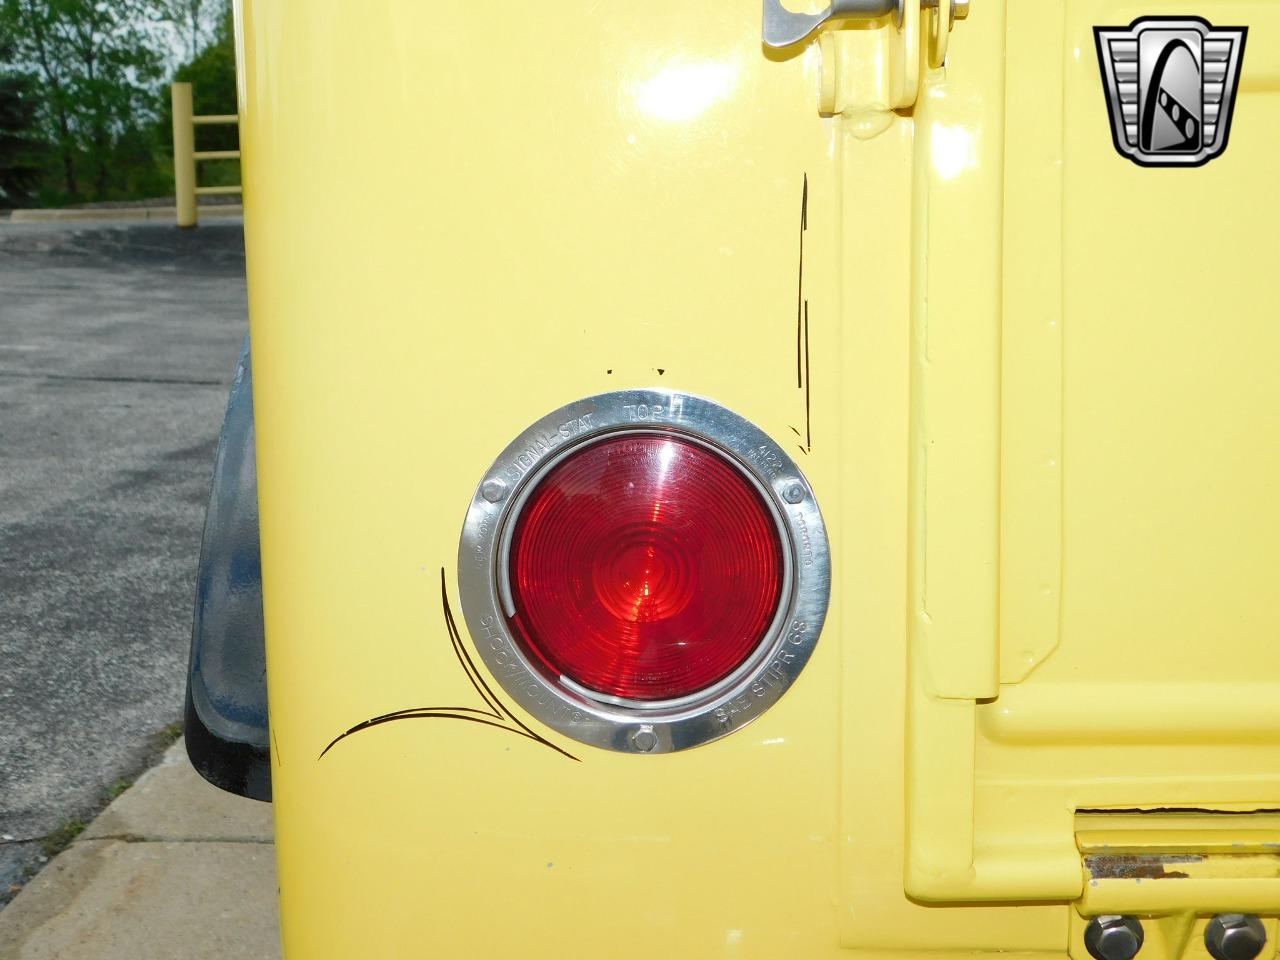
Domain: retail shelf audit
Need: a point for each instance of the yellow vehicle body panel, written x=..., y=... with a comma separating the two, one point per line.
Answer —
x=1039, y=410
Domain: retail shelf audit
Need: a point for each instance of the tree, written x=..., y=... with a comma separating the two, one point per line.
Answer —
x=196, y=21
x=20, y=153
x=97, y=70
x=212, y=75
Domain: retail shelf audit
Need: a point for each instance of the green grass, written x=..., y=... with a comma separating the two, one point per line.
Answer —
x=61, y=838
x=168, y=736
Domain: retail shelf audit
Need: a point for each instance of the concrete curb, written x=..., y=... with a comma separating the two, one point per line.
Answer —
x=120, y=213
x=173, y=868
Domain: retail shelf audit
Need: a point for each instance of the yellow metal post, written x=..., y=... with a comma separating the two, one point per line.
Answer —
x=184, y=155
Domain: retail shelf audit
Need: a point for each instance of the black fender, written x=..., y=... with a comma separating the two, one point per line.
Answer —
x=226, y=727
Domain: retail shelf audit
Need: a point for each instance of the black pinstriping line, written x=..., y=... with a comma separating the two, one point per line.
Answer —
x=497, y=715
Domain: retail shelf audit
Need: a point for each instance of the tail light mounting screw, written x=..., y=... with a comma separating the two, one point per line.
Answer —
x=794, y=493
x=644, y=739
x=493, y=490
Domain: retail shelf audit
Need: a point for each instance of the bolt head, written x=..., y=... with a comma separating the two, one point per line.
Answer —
x=493, y=490
x=959, y=9
x=1113, y=937
x=794, y=493
x=1235, y=936
x=644, y=739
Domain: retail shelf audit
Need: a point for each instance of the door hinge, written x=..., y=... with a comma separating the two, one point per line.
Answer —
x=1171, y=876
x=1172, y=862
x=877, y=67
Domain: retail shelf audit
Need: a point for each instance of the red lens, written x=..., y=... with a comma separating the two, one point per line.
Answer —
x=644, y=566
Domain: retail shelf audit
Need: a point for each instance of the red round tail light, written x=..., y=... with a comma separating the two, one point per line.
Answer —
x=643, y=571
x=644, y=567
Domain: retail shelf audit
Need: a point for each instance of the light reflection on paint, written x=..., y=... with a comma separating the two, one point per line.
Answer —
x=682, y=91
x=953, y=150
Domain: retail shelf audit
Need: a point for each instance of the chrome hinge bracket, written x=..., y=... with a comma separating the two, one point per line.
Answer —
x=785, y=28
x=912, y=31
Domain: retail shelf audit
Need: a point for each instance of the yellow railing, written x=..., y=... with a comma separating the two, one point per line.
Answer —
x=185, y=155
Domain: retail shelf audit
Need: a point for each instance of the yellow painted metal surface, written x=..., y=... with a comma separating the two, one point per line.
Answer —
x=184, y=155
x=1039, y=415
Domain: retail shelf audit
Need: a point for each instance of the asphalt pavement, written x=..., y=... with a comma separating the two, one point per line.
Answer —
x=117, y=347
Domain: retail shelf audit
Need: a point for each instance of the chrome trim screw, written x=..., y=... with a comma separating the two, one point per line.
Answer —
x=1235, y=936
x=1113, y=938
x=793, y=493
x=493, y=490
x=644, y=739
